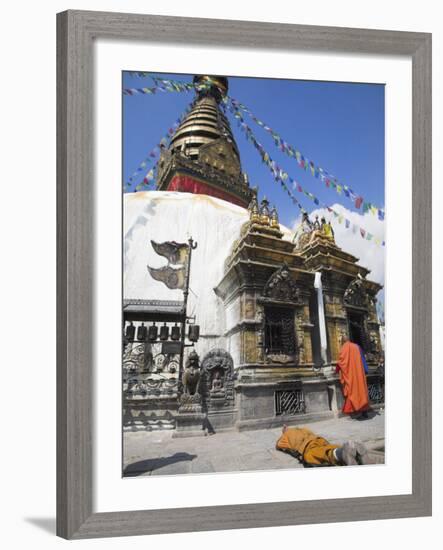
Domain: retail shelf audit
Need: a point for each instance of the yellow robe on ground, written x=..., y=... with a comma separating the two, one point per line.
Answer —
x=311, y=448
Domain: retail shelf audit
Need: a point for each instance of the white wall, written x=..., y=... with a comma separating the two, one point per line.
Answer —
x=28, y=220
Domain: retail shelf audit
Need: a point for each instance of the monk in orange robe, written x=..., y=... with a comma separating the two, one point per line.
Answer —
x=353, y=379
x=314, y=450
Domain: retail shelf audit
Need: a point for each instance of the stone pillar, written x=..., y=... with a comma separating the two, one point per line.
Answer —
x=321, y=317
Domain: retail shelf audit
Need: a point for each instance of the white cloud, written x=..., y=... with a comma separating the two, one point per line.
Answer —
x=371, y=255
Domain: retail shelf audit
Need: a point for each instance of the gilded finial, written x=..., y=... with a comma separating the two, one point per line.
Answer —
x=254, y=214
x=264, y=212
x=274, y=218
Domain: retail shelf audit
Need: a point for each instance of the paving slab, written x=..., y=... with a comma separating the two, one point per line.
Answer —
x=158, y=453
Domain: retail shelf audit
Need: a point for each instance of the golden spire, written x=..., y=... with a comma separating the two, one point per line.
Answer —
x=264, y=212
x=254, y=214
x=274, y=218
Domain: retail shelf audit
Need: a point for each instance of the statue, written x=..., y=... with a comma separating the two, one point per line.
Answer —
x=217, y=386
x=317, y=230
x=191, y=376
x=306, y=223
x=327, y=229
x=303, y=234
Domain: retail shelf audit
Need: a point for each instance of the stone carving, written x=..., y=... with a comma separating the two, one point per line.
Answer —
x=217, y=375
x=150, y=388
x=281, y=287
x=356, y=295
x=373, y=342
x=191, y=376
x=217, y=386
x=190, y=403
x=279, y=358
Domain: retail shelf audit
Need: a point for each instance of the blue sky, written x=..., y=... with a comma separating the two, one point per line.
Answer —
x=340, y=126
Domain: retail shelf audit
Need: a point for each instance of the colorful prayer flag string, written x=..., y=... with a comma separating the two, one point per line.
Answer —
x=153, y=90
x=281, y=177
x=164, y=85
x=153, y=155
x=309, y=166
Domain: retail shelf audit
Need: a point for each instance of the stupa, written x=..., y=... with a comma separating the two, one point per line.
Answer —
x=272, y=309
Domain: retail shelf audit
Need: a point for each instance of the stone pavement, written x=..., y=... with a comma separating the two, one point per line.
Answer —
x=157, y=453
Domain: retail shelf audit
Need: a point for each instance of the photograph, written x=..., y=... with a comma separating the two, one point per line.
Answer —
x=219, y=221
x=253, y=273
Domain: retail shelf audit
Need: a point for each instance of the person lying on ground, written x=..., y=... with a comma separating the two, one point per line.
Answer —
x=314, y=450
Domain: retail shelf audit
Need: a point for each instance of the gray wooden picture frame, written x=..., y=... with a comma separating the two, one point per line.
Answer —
x=76, y=32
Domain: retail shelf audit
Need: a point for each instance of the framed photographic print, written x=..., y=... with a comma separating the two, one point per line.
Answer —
x=244, y=281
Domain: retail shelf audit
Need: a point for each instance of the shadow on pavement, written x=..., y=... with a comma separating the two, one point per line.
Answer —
x=150, y=464
x=368, y=415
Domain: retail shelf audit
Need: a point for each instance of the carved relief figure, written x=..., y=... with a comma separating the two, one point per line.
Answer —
x=282, y=287
x=355, y=294
x=217, y=386
x=217, y=368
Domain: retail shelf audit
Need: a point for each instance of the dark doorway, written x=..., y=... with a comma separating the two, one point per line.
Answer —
x=356, y=328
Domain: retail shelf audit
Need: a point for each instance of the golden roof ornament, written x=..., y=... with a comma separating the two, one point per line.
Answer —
x=264, y=212
x=274, y=218
x=254, y=213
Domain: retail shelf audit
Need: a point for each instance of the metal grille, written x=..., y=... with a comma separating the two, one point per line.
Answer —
x=289, y=402
x=376, y=392
x=279, y=330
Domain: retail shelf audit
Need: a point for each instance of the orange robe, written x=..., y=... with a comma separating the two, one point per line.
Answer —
x=353, y=379
x=308, y=446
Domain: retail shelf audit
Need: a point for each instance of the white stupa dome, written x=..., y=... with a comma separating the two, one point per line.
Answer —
x=175, y=216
